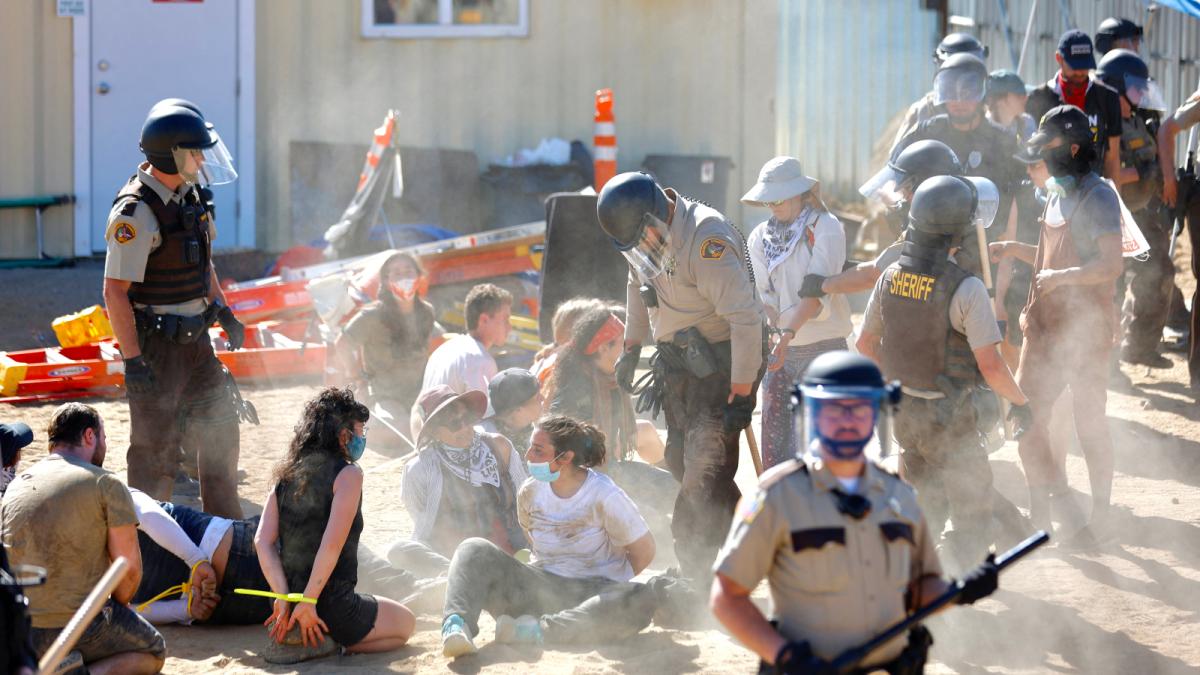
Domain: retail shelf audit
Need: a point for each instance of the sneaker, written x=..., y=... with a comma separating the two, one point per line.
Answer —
x=1150, y=359
x=292, y=649
x=456, y=640
x=524, y=629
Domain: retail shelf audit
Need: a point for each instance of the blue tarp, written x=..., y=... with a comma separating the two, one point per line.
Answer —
x=1189, y=7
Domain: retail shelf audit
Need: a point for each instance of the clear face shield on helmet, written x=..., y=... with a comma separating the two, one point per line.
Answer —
x=647, y=255
x=887, y=187
x=987, y=200
x=958, y=85
x=842, y=420
x=1144, y=93
x=209, y=165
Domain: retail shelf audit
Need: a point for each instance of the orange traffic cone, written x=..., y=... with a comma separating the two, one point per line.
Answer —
x=605, y=140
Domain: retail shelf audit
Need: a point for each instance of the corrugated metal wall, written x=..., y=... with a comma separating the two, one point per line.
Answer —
x=689, y=77
x=35, y=125
x=1171, y=45
x=846, y=69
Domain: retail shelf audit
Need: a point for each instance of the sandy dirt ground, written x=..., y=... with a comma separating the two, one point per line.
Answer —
x=1132, y=608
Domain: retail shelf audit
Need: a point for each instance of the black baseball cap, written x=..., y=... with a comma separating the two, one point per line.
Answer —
x=13, y=437
x=1000, y=82
x=1076, y=49
x=510, y=389
x=1065, y=121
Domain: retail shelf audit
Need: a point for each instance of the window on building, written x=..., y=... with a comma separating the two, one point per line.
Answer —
x=445, y=18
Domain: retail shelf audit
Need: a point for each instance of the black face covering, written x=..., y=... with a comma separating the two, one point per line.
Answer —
x=1060, y=162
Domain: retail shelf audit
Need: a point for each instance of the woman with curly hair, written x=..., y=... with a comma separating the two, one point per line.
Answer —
x=584, y=386
x=387, y=344
x=307, y=540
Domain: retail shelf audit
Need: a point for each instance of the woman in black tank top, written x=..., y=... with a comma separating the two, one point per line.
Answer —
x=307, y=540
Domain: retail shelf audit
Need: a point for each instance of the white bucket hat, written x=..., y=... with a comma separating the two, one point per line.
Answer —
x=779, y=179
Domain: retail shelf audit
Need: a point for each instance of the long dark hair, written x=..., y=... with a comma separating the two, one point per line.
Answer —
x=394, y=315
x=584, y=439
x=316, y=435
x=573, y=365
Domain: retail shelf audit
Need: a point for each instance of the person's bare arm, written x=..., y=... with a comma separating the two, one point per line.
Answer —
x=1005, y=270
x=997, y=375
x=120, y=315
x=1106, y=266
x=1112, y=160
x=854, y=280
x=123, y=542
x=265, y=541
x=1026, y=253
x=1166, y=158
x=641, y=552
x=730, y=603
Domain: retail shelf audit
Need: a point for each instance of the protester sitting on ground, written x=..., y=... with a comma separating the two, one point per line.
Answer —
x=588, y=542
x=584, y=386
x=67, y=514
x=564, y=320
x=516, y=402
x=307, y=540
x=462, y=483
x=175, y=539
x=13, y=437
x=387, y=344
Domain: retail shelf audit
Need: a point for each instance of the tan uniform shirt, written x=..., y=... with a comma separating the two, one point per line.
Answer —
x=1188, y=114
x=131, y=240
x=704, y=284
x=56, y=514
x=835, y=582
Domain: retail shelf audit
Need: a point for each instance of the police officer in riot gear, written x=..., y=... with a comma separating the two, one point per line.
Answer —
x=984, y=147
x=1140, y=183
x=931, y=325
x=691, y=292
x=926, y=107
x=162, y=294
x=843, y=544
x=893, y=186
x=1118, y=33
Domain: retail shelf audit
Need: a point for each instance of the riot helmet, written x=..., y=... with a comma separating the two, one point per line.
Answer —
x=1114, y=30
x=893, y=185
x=633, y=211
x=177, y=140
x=961, y=78
x=946, y=206
x=1126, y=72
x=840, y=399
x=959, y=43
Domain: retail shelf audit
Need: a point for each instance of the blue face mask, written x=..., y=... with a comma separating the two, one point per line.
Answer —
x=541, y=471
x=356, y=447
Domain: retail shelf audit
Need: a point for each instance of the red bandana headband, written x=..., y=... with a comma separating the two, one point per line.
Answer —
x=611, y=329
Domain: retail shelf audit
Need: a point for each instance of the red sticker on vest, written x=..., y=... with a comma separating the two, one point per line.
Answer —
x=125, y=233
x=712, y=248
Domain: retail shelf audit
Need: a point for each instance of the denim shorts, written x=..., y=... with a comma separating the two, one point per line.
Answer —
x=242, y=571
x=117, y=629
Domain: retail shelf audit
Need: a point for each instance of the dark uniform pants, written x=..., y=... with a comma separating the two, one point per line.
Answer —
x=946, y=460
x=190, y=404
x=703, y=457
x=1150, y=283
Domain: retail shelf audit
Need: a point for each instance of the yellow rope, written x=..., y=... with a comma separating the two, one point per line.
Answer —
x=185, y=588
x=290, y=597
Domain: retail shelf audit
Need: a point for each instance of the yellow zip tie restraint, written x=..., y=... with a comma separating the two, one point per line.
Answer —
x=185, y=588
x=290, y=597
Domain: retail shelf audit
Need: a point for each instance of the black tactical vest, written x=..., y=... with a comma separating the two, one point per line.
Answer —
x=919, y=346
x=1139, y=150
x=177, y=271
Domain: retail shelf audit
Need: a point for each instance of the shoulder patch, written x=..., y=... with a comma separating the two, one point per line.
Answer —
x=713, y=248
x=750, y=506
x=125, y=233
x=781, y=471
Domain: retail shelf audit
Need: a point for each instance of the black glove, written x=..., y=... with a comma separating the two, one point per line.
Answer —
x=232, y=327
x=796, y=658
x=811, y=286
x=738, y=413
x=980, y=582
x=627, y=366
x=139, y=379
x=1022, y=419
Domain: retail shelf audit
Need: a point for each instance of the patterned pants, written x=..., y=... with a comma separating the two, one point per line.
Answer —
x=778, y=428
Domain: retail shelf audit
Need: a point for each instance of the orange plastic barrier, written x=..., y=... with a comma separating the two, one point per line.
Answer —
x=604, y=142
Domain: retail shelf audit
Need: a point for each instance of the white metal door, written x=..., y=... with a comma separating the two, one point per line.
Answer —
x=143, y=51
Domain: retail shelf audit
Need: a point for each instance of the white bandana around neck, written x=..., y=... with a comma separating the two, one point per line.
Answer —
x=475, y=464
x=780, y=240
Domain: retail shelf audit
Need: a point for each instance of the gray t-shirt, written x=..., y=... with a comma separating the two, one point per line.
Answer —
x=888, y=257
x=1092, y=208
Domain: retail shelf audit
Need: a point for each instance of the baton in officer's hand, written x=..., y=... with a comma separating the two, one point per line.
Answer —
x=848, y=660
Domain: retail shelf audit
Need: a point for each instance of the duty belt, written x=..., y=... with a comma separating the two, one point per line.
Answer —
x=173, y=327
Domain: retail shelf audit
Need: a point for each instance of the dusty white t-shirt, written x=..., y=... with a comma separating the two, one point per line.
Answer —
x=584, y=535
x=462, y=363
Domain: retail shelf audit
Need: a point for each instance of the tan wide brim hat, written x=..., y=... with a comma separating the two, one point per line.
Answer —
x=780, y=178
x=433, y=402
